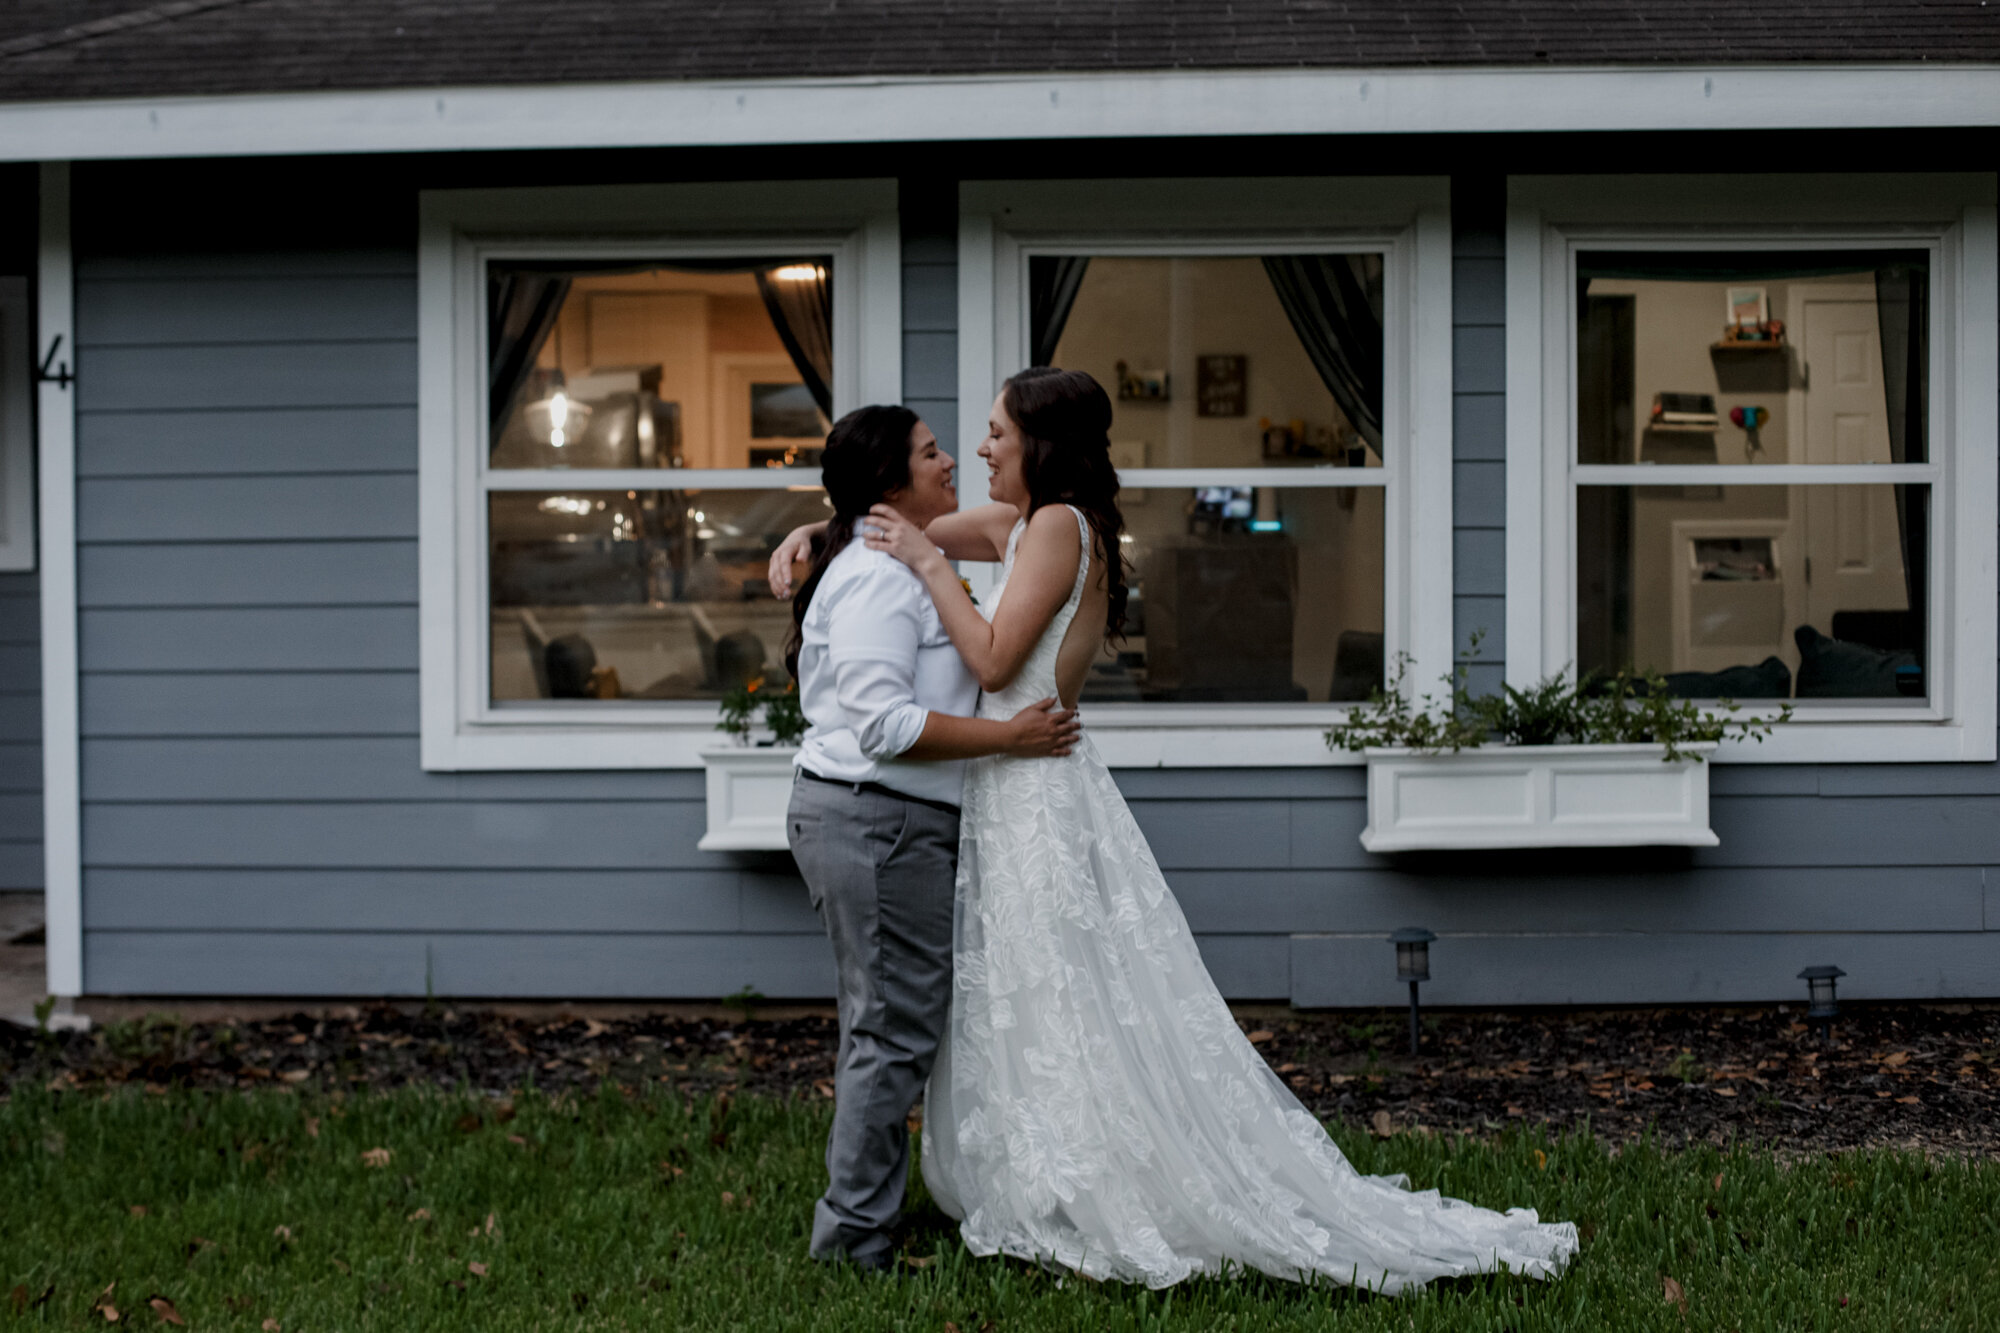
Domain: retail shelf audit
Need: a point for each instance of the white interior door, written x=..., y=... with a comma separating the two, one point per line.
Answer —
x=1852, y=546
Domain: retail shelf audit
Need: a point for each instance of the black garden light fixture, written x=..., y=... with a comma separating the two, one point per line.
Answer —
x=1413, y=964
x=1824, y=1008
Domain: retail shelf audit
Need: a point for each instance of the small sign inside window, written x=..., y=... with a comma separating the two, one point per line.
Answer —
x=1219, y=385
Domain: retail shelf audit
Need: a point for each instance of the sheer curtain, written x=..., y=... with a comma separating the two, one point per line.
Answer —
x=1335, y=305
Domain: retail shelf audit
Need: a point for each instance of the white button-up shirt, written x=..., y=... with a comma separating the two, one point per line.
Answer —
x=874, y=661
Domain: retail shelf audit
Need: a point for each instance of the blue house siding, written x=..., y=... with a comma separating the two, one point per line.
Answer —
x=20, y=732
x=255, y=819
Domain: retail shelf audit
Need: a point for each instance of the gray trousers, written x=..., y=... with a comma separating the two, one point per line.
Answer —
x=881, y=872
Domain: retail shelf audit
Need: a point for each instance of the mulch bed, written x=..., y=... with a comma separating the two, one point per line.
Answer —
x=1914, y=1075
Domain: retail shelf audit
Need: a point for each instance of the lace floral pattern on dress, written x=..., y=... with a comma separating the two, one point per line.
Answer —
x=1095, y=1105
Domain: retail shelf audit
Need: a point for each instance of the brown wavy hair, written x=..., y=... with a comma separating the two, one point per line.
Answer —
x=867, y=455
x=1065, y=421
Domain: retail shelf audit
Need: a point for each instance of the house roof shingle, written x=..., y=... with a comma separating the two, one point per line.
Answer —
x=69, y=49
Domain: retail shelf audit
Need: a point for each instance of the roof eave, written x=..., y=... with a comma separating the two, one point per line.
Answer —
x=1178, y=103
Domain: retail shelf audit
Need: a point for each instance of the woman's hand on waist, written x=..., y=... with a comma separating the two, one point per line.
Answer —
x=1044, y=730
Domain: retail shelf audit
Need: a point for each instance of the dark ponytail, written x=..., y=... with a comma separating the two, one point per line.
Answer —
x=1065, y=421
x=867, y=455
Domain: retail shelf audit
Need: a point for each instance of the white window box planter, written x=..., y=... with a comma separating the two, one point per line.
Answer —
x=749, y=790
x=1537, y=796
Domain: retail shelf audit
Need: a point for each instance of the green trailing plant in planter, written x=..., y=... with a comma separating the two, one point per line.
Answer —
x=1625, y=708
x=781, y=710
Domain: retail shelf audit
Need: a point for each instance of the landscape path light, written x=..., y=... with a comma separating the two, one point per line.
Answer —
x=1823, y=1007
x=1413, y=964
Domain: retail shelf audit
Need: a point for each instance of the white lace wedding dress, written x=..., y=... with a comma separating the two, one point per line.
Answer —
x=1095, y=1106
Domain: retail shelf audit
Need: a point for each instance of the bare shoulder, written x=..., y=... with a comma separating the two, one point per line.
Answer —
x=1053, y=529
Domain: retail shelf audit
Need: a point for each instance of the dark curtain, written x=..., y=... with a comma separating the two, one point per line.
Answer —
x=802, y=309
x=521, y=310
x=1902, y=301
x=1335, y=305
x=524, y=297
x=1053, y=282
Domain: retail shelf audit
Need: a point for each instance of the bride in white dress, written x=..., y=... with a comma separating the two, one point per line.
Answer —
x=1094, y=1105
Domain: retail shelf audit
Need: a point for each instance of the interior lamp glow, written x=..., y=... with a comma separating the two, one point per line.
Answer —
x=558, y=418
x=797, y=273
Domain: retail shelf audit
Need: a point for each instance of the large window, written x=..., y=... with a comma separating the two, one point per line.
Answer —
x=625, y=394
x=675, y=370
x=1752, y=475
x=1280, y=390
x=1264, y=372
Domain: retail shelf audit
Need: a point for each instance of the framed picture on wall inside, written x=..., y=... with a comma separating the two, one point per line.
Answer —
x=1748, y=308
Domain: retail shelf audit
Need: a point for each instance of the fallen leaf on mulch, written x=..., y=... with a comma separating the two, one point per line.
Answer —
x=823, y=1086
x=164, y=1308
x=1260, y=1036
x=1383, y=1125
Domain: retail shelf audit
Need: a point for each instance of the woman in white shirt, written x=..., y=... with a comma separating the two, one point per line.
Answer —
x=874, y=813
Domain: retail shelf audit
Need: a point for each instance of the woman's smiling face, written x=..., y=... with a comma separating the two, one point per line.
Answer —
x=931, y=493
x=1002, y=450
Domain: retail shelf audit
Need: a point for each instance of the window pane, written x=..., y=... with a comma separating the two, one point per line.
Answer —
x=1755, y=592
x=1244, y=594
x=678, y=363
x=1752, y=357
x=638, y=595
x=1236, y=362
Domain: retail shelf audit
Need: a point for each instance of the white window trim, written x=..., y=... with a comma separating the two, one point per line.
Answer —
x=854, y=220
x=62, y=755
x=17, y=427
x=1549, y=217
x=1409, y=220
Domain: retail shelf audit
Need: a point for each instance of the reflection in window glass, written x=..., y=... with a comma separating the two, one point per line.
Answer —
x=1756, y=592
x=671, y=363
x=1243, y=594
x=1752, y=357
x=1222, y=362
x=638, y=594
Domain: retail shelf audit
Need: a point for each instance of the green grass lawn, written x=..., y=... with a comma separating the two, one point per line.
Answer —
x=616, y=1212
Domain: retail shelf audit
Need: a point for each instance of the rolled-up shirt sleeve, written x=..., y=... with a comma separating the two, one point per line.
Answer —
x=872, y=641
